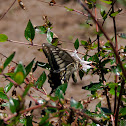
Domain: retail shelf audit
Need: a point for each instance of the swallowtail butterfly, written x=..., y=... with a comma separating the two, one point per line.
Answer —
x=62, y=65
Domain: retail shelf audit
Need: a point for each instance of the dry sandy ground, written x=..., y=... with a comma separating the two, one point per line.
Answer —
x=66, y=25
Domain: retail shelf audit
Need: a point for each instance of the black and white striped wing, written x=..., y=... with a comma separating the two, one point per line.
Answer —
x=61, y=63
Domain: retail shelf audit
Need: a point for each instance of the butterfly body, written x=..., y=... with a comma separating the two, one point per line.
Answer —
x=62, y=65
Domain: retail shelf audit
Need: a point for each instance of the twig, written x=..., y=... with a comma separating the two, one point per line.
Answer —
x=106, y=36
x=89, y=117
x=109, y=11
x=116, y=47
x=25, y=82
x=77, y=11
x=7, y=57
x=112, y=119
x=31, y=108
x=100, y=66
x=119, y=101
x=9, y=79
x=7, y=10
x=40, y=46
x=24, y=43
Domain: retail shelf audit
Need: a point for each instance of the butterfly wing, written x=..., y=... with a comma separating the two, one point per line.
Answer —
x=61, y=63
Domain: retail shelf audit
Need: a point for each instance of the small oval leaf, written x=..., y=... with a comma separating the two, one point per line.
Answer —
x=14, y=105
x=49, y=36
x=29, y=32
x=3, y=95
x=29, y=67
x=41, y=80
x=41, y=29
x=8, y=87
x=9, y=59
x=3, y=38
x=60, y=91
x=76, y=44
x=19, y=73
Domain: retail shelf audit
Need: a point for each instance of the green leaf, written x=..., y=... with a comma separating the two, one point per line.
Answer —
x=76, y=44
x=60, y=91
x=112, y=84
x=41, y=29
x=14, y=105
x=19, y=73
x=94, y=58
x=107, y=2
x=93, y=86
x=123, y=111
x=26, y=89
x=55, y=41
x=98, y=106
x=39, y=83
x=1, y=89
x=122, y=122
x=114, y=14
x=49, y=36
x=42, y=65
x=8, y=87
x=3, y=95
x=23, y=121
x=69, y=9
x=8, y=60
x=95, y=45
x=75, y=104
x=29, y=66
x=29, y=121
x=107, y=44
x=53, y=98
x=112, y=91
x=116, y=69
x=85, y=44
x=5, y=104
x=103, y=14
x=44, y=121
x=29, y=32
x=3, y=38
x=104, y=62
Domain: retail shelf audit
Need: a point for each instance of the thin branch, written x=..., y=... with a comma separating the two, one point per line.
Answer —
x=7, y=57
x=112, y=119
x=100, y=66
x=116, y=47
x=9, y=79
x=87, y=116
x=31, y=108
x=24, y=43
x=26, y=83
x=106, y=36
x=119, y=101
x=7, y=10
x=77, y=11
x=21, y=112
